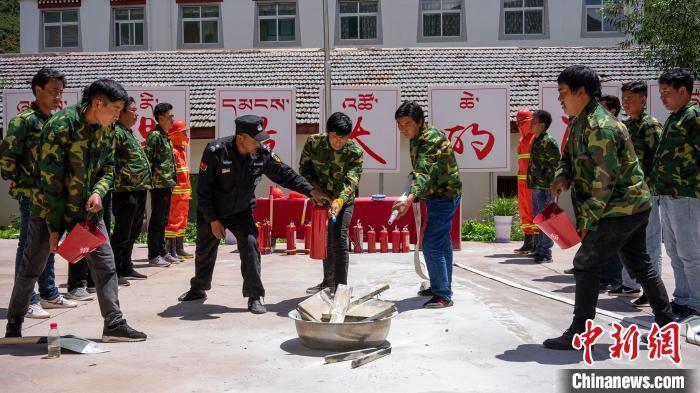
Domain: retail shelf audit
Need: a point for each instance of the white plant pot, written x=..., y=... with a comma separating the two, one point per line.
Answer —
x=503, y=225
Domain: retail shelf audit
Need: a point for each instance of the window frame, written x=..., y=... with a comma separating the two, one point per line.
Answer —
x=277, y=44
x=181, y=27
x=339, y=41
x=113, y=34
x=538, y=36
x=442, y=38
x=585, y=33
x=42, y=31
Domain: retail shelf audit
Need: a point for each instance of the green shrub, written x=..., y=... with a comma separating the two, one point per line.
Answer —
x=474, y=230
x=9, y=232
x=499, y=207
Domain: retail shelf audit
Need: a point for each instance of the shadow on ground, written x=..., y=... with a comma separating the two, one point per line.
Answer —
x=197, y=311
x=536, y=353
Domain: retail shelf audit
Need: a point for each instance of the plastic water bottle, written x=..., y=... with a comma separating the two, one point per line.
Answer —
x=54, y=343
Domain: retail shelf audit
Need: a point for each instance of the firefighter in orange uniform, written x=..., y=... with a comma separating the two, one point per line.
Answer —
x=524, y=194
x=182, y=193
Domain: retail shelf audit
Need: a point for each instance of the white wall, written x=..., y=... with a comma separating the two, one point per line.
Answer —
x=95, y=24
x=29, y=20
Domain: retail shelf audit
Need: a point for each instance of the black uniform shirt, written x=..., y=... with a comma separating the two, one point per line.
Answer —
x=227, y=179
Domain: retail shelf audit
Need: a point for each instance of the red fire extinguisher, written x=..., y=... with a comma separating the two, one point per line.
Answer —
x=291, y=239
x=359, y=238
x=267, y=230
x=405, y=236
x=319, y=232
x=384, y=240
x=261, y=237
x=371, y=240
x=395, y=240
x=307, y=238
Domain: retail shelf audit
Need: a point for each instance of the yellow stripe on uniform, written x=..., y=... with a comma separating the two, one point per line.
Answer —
x=182, y=191
x=527, y=155
x=185, y=169
x=522, y=177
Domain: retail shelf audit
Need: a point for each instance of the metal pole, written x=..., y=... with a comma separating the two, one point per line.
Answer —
x=326, y=67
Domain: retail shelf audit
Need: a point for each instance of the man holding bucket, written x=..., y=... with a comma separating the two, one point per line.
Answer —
x=610, y=197
x=76, y=171
x=333, y=164
x=230, y=170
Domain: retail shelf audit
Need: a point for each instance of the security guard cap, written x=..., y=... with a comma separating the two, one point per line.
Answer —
x=251, y=125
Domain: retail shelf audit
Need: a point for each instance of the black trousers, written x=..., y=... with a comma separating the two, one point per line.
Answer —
x=79, y=272
x=160, y=210
x=131, y=206
x=624, y=236
x=243, y=227
x=335, y=266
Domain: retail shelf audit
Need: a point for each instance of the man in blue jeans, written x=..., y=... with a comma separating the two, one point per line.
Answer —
x=436, y=181
x=675, y=178
x=19, y=153
x=544, y=159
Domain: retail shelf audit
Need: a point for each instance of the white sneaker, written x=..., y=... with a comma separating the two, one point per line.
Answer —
x=36, y=312
x=80, y=294
x=58, y=302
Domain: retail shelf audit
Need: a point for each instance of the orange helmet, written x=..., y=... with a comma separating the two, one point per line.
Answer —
x=178, y=134
x=523, y=115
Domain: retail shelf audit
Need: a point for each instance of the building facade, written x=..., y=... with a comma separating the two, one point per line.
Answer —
x=162, y=25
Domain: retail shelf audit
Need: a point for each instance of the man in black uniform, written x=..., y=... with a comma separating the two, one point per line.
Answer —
x=231, y=168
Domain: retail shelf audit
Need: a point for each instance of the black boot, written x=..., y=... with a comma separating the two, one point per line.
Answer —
x=180, y=248
x=527, y=245
x=14, y=328
x=171, y=248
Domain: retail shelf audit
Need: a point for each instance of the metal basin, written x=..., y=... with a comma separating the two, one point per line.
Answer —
x=346, y=336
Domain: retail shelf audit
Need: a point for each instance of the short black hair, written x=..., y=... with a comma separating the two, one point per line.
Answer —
x=543, y=116
x=160, y=109
x=45, y=75
x=339, y=123
x=639, y=87
x=612, y=103
x=104, y=88
x=412, y=109
x=577, y=76
x=128, y=102
x=677, y=78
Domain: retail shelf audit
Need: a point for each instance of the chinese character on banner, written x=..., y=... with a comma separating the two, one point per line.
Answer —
x=475, y=120
x=16, y=101
x=371, y=109
x=665, y=342
x=276, y=108
x=657, y=109
x=626, y=342
x=586, y=340
x=148, y=97
x=549, y=101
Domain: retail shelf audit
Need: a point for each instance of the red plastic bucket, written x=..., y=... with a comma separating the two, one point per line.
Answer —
x=554, y=222
x=319, y=232
x=83, y=239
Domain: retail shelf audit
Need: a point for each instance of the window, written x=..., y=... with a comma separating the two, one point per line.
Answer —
x=60, y=29
x=277, y=22
x=523, y=17
x=128, y=27
x=596, y=21
x=358, y=20
x=200, y=24
x=441, y=18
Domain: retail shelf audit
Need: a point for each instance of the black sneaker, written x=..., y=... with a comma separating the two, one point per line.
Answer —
x=13, y=329
x=123, y=281
x=134, y=275
x=602, y=288
x=539, y=259
x=122, y=333
x=193, y=294
x=318, y=288
x=426, y=292
x=624, y=291
x=562, y=343
x=255, y=306
x=438, y=302
x=569, y=271
x=642, y=301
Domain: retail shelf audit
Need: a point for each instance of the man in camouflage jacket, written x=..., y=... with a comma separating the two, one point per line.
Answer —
x=76, y=169
x=333, y=164
x=675, y=178
x=544, y=158
x=159, y=151
x=436, y=181
x=19, y=154
x=610, y=197
x=132, y=180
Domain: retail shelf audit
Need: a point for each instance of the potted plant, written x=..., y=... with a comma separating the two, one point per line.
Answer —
x=502, y=211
